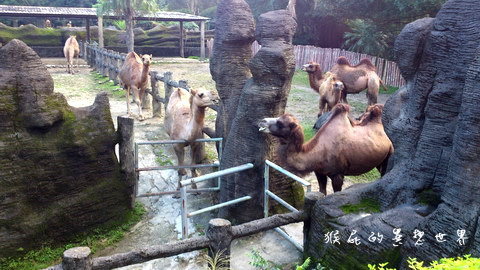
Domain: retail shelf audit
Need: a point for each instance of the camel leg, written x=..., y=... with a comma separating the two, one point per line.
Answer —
x=180, y=152
x=337, y=182
x=321, y=107
x=138, y=101
x=344, y=97
x=372, y=91
x=322, y=182
x=382, y=168
x=77, y=64
x=127, y=90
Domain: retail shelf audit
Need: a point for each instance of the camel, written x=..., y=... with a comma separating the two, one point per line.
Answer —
x=184, y=120
x=70, y=50
x=134, y=77
x=358, y=78
x=341, y=147
x=315, y=75
x=330, y=91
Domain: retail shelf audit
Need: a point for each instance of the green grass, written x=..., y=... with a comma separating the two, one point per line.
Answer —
x=308, y=131
x=465, y=262
x=95, y=239
x=163, y=159
x=300, y=77
x=367, y=205
x=105, y=84
x=368, y=177
x=390, y=90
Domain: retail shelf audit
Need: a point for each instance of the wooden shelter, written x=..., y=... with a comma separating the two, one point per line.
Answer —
x=91, y=14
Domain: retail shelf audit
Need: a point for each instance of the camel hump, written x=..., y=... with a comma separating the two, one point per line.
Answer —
x=366, y=62
x=134, y=56
x=342, y=60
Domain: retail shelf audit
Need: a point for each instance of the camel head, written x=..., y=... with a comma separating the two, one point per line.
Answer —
x=146, y=59
x=282, y=127
x=373, y=113
x=311, y=67
x=332, y=80
x=203, y=98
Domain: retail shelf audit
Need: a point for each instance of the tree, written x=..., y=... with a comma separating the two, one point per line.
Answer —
x=129, y=9
x=365, y=37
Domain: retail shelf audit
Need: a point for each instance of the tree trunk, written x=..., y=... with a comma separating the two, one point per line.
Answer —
x=264, y=95
x=434, y=125
x=129, y=15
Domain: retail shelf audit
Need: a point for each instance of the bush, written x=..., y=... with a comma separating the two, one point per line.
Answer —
x=465, y=262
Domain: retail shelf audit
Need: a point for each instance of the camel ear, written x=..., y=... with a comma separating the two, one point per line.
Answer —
x=193, y=92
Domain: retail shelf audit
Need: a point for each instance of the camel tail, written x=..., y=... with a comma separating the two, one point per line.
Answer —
x=385, y=88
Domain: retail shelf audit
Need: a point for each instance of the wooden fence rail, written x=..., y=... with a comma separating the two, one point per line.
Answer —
x=326, y=57
x=218, y=238
x=108, y=63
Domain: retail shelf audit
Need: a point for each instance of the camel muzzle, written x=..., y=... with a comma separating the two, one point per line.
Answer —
x=264, y=124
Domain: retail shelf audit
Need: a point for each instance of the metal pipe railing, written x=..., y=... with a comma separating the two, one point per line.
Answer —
x=220, y=205
x=289, y=174
x=216, y=174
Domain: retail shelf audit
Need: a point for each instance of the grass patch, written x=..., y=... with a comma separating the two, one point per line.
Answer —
x=300, y=77
x=308, y=131
x=162, y=159
x=367, y=205
x=390, y=89
x=368, y=177
x=105, y=84
x=429, y=197
x=95, y=239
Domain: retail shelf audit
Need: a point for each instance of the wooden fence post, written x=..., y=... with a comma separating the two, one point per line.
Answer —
x=156, y=104
x=220, y=234
x=167, y=76
x=78, y=258
x=127, y=154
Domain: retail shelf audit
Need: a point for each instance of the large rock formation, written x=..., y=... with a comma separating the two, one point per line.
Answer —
x=263, y=95
x=433, y=185
x=58, y=170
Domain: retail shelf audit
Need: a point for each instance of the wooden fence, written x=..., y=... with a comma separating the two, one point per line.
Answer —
x=108, y=63
x=326, y=57
x=218, y=238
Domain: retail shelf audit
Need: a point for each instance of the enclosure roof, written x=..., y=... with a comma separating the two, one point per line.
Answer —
x=89, y=13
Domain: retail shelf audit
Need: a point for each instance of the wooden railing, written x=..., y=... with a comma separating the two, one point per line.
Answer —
x=108, y=63
x=218, y=238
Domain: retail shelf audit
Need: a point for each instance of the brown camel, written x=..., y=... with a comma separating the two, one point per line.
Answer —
x=341, y=147
x=358, y=78
x=315, y=75
x=70, y=50
x=330, y=92
x=134, y=77
x=184, y=120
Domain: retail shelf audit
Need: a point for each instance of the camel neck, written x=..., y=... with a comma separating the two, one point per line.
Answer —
x=145, y=71
x=198, y=115
x=315, y=79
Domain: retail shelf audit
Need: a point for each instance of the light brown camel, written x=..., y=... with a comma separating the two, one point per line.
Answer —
x=134, y=77
x=330, y=91
x=315, y=75
x=184, y=120
x=70, y=50
x=358, y=78
x=341, y=147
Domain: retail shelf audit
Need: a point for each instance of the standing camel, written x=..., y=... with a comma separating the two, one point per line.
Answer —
x=341, y=146
x=70, y=50
x=134, y=77
x=184, y=120
x=315, y=75
x=358, y=78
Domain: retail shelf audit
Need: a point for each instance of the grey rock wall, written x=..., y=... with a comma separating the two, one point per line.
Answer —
x=58, y=170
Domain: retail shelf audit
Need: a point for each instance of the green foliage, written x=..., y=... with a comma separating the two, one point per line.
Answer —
x=365, y=37
x=261, y=263
x=96, y=239
x=120, y=25
x=380, y=266
x=307, y=264
x=218, y=262
x=367, y=205
x=465, y=262
x=390, y=89
x=162, y=159
x=429, y=197
x=308, y=132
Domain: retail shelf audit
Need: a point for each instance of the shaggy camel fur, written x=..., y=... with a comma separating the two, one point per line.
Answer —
x=184, y=120
x=134, y=77
x=330, y=93
x=358, y=78
x=341, y=147
x=70, y=50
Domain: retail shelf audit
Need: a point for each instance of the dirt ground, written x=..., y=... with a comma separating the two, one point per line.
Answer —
x=162, y=223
